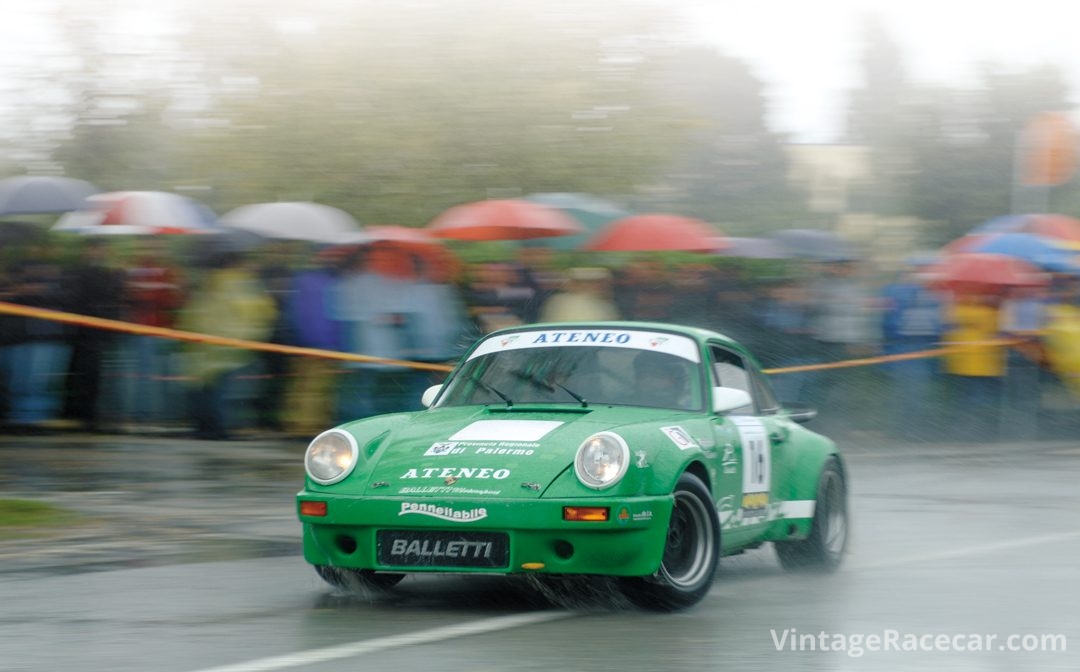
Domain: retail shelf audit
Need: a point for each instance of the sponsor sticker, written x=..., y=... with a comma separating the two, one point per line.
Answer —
x=445, y=490
x=456, y=473
x=728, y=461
x=443, y=448
x=674, y=344
x=679, y=437
x=448, y=513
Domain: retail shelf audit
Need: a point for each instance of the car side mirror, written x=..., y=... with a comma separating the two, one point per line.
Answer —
x=801, y=413
x=429, y=395
x=725, y=399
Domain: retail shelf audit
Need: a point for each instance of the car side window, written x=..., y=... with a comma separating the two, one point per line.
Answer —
x=729, y=370
x=765, y=397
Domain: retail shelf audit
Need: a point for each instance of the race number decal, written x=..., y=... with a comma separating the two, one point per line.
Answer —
x=756, y=464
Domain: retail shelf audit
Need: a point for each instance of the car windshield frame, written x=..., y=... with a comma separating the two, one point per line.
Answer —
x=582, y=367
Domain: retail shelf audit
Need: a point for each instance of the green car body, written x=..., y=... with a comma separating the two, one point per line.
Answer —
x=498, y=480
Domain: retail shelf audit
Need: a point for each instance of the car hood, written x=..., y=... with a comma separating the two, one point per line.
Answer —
x=481, y=452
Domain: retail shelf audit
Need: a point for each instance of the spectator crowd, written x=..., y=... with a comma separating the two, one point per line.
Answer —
x=393, y=302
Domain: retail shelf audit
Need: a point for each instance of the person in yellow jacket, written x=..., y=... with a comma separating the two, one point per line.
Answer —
x=1061, y=335
x=975, y=372
x=230, y=302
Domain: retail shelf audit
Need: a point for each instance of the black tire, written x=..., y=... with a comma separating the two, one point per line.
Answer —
x=691, y=553
x=823, y=550
x=358, y=579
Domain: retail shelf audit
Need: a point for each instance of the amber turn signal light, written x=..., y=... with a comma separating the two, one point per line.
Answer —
x=312, y=508
x=592, y=514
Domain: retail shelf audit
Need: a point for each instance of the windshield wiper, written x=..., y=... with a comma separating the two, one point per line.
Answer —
x=580, y=399
x=550, y=386
x=489, y=388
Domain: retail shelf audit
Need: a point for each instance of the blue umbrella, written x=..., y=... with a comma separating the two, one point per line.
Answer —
x=41, y=194
x=1037, y=250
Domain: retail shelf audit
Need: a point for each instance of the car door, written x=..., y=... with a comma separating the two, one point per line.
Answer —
x=753, y=443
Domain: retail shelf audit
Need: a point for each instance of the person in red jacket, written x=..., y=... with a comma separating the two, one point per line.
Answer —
x=154, y=290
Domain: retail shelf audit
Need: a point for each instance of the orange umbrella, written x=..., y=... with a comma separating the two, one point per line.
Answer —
x=505, y=219
x=400, y=248
x=657, y=232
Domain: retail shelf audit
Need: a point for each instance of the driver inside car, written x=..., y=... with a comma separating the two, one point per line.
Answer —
x=660, y=380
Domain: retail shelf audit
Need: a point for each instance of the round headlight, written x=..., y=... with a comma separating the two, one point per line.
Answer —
x=602, y=460
x=331, y=456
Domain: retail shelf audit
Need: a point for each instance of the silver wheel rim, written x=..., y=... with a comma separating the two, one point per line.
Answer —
x=690, y=543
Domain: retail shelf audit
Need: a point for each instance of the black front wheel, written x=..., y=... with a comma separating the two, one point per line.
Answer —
x=358, y=579
x=691, y=553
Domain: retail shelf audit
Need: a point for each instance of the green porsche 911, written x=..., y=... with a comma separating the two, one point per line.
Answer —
x=634, y=450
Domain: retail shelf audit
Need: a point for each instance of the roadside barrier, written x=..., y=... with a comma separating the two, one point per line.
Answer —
x=884, y=359
x=194, y=337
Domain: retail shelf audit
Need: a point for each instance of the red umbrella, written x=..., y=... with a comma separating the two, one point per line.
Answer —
x=139, y=212
x=657, y=232
x=982, y=273
x=439, y=263
x=506, y=219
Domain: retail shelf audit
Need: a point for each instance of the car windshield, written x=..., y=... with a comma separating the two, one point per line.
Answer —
x=644, y=369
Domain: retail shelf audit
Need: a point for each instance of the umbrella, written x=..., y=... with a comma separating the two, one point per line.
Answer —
x=41, y=194
x=656, y=232
x=591, y=212
x=1060, y=227
x=1046, y=253
x=814, y=244
x=139, y=213
x=753, y=248
x=982, y=272
x=308, y=221
x=208, y=250
x=507, y=219
x=407, y=245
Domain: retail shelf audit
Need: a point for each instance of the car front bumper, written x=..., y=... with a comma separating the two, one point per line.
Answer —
x=356, y=532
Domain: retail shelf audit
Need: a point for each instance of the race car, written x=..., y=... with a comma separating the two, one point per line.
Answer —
x=643, y=451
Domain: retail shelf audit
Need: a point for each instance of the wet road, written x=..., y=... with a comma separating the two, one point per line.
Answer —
x=190, y=563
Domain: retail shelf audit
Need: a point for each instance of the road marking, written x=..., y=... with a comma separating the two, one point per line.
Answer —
x=313, y=656
x=487, y=625
x=970, y=550
x=722, y=587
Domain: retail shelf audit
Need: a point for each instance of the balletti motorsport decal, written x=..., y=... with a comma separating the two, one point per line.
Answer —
x=672, y=344
x=443, y=512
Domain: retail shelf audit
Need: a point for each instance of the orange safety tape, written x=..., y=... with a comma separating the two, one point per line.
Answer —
x=883, y=359
x=193, y=337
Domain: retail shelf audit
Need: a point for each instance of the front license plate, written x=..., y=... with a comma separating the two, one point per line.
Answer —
x=427, y=548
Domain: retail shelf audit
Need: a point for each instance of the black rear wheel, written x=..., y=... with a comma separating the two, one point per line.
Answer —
x=823, y=550
x=691, y=553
